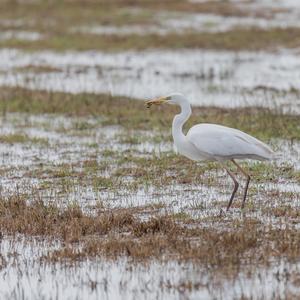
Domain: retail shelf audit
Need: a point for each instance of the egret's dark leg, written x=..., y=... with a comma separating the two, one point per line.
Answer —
x=236, y=186
x=247, y=182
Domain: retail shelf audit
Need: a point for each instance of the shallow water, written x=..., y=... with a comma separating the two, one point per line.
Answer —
x=208, y=78
x=20, y=35
x=283, y=4
x=27, y=277
x=180, y=23
x=27, y=165
x=264, y=14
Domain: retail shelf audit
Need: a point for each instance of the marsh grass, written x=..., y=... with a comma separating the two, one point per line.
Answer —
x=260, y=122
x=120, y=232
x=251, y=39
x=61, y=14
x=106, y=169
x=56, y=22
x=105, y=198
x=71, y=199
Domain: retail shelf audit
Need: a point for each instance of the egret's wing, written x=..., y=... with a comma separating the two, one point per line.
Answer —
x=224, y=142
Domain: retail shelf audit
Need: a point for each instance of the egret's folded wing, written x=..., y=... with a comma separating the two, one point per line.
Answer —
x=224, y=142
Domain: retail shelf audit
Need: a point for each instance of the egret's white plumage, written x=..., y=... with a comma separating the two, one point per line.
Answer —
x=213, y=142
x=220, y=142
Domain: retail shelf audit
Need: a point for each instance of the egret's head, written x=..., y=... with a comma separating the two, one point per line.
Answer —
x=175, y=98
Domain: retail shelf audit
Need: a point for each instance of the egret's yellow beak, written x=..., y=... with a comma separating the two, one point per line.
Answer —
x=156, y=101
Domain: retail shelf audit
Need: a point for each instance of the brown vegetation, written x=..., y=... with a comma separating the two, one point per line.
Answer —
x=119, y=232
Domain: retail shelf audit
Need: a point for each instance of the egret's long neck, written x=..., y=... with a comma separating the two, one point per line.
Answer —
x=179, y=121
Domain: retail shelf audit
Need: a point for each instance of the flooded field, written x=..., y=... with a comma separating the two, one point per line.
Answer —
x=209, y=78
x=94, y=203
x=122, y=279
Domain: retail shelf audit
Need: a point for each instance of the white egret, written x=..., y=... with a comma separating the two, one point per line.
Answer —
x=211, y=142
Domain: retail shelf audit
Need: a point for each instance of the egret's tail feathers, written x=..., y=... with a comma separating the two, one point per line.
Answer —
x=266, y=152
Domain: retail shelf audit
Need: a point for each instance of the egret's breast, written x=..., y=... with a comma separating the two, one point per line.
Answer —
x=188, y=150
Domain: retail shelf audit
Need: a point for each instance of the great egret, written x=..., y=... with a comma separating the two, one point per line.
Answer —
x=213, y=142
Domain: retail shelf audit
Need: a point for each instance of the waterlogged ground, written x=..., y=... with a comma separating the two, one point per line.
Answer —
x=40, y=152
x=130, y=50
x=78, y=192
x=209, y=78
x=122, y=279
x=94, y=203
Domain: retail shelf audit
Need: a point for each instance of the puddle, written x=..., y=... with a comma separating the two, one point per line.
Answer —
x=208, y=78
x=283, y=4
x=216, y=23
x=263, y=14
x=20, y=35
x=123, y=30
x=169, y=23
x=253, y=14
